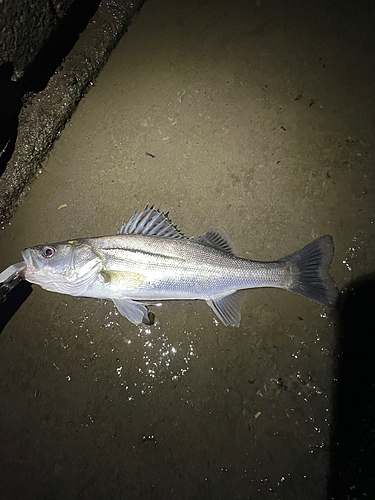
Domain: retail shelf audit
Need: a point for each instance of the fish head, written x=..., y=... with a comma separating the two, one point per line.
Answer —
x=66, y=267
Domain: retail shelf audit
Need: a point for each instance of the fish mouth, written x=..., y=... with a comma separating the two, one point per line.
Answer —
x=35, y=271
x=26, y=255
x=31, y=264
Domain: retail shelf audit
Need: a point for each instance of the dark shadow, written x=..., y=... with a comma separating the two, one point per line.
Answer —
x=35, y=79
x=13, y=302
x=10, y=106
x=352, y=449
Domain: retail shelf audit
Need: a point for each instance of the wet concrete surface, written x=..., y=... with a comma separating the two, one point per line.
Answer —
x=258, y=116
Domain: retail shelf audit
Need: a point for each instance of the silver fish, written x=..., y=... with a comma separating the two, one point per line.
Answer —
x=150, y=260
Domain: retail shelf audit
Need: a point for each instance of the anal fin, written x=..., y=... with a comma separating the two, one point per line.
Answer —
x=228, y=308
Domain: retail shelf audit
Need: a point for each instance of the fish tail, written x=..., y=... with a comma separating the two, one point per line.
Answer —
x=309, y=269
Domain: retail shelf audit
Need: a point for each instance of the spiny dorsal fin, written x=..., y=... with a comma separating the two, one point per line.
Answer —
x=150, y=222
x=217, y=239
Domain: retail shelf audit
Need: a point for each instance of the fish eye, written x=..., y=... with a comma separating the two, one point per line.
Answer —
x=48, y=251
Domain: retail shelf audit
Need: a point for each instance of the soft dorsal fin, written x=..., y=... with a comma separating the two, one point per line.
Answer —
x=150, y=222
x=217, y=239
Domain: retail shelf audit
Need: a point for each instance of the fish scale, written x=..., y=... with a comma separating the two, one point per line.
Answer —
x=150, y=260
x=185, y=266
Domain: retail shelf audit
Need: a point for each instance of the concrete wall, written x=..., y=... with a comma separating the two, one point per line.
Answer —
x=24, y=28
x=50, y=51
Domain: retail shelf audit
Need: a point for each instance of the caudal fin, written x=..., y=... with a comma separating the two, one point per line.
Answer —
x=309, y=268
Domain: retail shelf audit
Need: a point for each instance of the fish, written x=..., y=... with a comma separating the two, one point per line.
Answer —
x=149, y=260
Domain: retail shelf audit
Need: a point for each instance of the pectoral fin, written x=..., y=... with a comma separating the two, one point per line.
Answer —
x=135, y=312
x=228, y=308
x=125, y=279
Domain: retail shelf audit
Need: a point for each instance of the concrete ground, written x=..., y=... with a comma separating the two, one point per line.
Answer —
x=259, y=118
